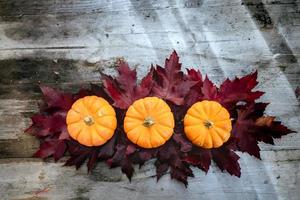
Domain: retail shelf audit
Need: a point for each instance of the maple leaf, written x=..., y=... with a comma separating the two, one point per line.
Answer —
x=60, y=149
x=200, y=158
x=251, y=126
x=185, y=145
x=194, y=94
x=57, y=99
x=297, y=91
x=161, y=168
x=240, y=89
x=209, y=90
x=51, y=148
x=44, y=125
x=171, y=83
x=46, y=149
x=170, y=156
x=245, y=125
x=270, y=130
x=181, y=174
x=227, y=160
x=124, y=89
x=121, y=159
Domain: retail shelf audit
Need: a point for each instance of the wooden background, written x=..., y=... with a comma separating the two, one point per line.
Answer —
x=63, y=43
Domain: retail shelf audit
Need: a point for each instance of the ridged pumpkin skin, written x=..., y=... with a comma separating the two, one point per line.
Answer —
x=91, y=121
x=207, y=124
x=149, y=122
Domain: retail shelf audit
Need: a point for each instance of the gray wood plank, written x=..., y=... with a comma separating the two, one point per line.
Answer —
x=273, y=178
x=16, y=8
x=63, y=42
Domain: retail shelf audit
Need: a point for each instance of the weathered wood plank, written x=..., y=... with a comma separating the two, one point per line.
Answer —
x=72, y=39
x=59, y=30
x=273, y=178
x=79, y=6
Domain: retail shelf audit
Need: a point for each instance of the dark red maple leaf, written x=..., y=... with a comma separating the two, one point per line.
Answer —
x=55, y=148
x=297, y=91
x=44, y=125
x=266, y=133
x=227, y=160
x=46, y=149
x=239, y=90
x=124, y=89
x=251, y=127
x=57, y=99
x=120, y=158
x=194, y=94
x=200, y=158
x=171, y=83
x=170, y=156
x=243, y=129
x=209, y=90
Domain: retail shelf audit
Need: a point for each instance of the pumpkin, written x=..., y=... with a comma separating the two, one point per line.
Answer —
x=149, y=122
x=91, y=121
x=207, y=124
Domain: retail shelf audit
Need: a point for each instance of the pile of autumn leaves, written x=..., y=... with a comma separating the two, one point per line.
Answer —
x=180, y=90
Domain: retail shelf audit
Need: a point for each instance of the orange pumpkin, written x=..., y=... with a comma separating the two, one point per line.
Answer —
x=149, y=122
x=91, y=121
x=207, y=124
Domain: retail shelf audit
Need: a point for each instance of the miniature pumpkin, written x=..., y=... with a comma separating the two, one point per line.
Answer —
x=207, y=124
x=91, y=121
x=149, y=122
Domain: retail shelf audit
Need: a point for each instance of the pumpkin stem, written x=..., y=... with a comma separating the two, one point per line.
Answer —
x=208, y=124
x=88, y=120
x=148, y=122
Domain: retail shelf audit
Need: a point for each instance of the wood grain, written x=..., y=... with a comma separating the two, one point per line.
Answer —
x=64, y=43
x=275, y=178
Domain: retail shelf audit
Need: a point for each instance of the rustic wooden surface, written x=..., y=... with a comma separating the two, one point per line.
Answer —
x=63, y=43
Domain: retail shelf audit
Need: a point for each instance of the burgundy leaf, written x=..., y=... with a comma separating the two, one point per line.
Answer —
x=195, y=91
x=64, y=134
x=267, y=132
x=181, y=174
x=130, y=149
x=242, y=131
x=194, y=75
x=167, y=152
x=171, y=83
x=127, y=168
x=297, y=91
x=46, y=149
x=107, y=150
x=118, y=156
x=227, y=160
x=161, y=168
x=79, y=160
x=92, y=160
x=209, y=90
x=251, y=126
x=185, y=145
x=140, y=156
x=57, y=99
x=124, y=89
x=60, y=149
x=200, y=158
x=240, y=89
x=46, y=125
